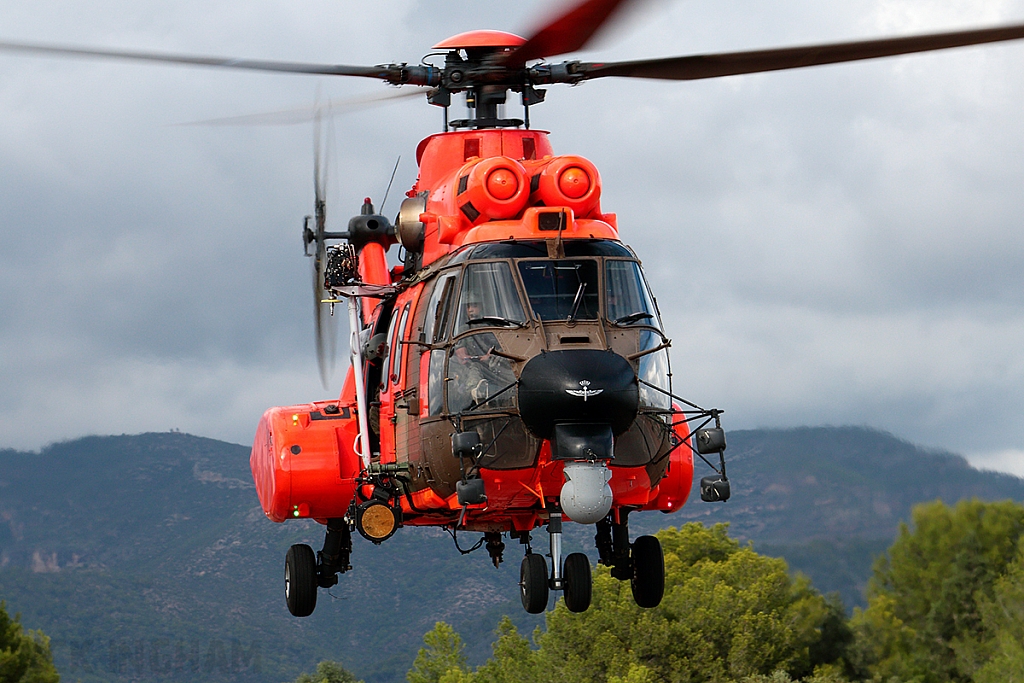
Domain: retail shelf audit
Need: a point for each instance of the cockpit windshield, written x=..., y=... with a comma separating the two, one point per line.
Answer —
x=627, y=299
x=560, y=290
x=489, y=298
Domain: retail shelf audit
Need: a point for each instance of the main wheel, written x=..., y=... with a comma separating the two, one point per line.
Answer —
x=300, y=580
x=533, y=583
x=648, y=582
x=578, y=584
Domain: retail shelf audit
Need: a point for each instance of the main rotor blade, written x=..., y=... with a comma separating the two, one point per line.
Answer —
x=566, y=33
x=733, y=63
x=297, y=115
x=381, y=72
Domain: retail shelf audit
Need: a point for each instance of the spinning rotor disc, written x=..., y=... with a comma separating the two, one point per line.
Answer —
x=324, y=323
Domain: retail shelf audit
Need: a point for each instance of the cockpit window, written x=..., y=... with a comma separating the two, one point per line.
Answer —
x=627, y=299
x=560, y=290
x=489, y=298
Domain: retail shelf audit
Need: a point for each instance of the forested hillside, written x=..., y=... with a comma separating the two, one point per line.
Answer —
x=147, y=557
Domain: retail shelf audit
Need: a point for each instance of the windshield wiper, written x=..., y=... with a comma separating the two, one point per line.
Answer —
x=632, y=318
x=495, y=320
x=576, y=302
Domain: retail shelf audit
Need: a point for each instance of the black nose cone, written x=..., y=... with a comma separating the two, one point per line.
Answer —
x=582, y=385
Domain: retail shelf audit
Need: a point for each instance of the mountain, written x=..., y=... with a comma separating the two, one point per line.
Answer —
x=147, y=557
x=830, y=499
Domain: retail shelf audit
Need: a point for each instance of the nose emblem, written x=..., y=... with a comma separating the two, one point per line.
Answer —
x=586, y=392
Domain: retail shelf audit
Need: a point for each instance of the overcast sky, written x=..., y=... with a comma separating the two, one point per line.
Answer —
x=837, y=245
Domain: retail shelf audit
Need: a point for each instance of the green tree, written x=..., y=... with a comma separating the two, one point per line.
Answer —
x=513, y=661
x=24, y=656
x=328, y=672
x=926, y=600
x=996, y=653
x=443, y=658
x=728, y=614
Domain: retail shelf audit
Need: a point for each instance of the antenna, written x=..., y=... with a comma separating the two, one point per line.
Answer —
x=385, y=200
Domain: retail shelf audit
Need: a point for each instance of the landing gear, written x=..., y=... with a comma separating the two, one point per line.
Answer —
x=577, y=582
x=613, y=546
x=305, y=571
x=572, y=577
x=300, y=580
x=533, y=583
x=648, y=580
x=641, y=563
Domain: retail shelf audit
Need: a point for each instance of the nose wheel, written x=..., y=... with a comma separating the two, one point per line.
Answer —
x=577, y=582
x=533, y=583
x=572, y=577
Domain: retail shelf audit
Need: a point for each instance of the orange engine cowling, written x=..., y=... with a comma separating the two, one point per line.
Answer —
x=569, y=181
x=494, y=189
x=303, y=461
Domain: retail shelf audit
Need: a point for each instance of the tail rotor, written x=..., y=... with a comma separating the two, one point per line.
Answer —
x=314, y=242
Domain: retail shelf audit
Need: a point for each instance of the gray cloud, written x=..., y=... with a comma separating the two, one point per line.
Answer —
x=839, y=245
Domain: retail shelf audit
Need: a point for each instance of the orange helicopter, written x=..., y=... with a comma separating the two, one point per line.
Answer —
x=513, y=371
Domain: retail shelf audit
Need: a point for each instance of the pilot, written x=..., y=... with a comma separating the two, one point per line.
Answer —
x=479, y=372
x=479, y=346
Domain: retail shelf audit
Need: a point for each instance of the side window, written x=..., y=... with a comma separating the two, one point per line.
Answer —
x=434, y=322
x=435, y=382
x=399, y=347
x=391, y=350
x=444, y=310
x=655, y=371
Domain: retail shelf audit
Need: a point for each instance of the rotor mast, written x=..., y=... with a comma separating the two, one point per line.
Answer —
x=474, y=64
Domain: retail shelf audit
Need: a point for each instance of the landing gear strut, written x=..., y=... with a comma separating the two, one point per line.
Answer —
x=334, y=558
x=641, y=562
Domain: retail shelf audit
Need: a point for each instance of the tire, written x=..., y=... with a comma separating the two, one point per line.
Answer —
x=533, y=583
x=648, y=582
x=578, y=582
x=300, y=581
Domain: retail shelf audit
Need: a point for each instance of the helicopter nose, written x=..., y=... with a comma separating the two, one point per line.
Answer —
x=582, y=386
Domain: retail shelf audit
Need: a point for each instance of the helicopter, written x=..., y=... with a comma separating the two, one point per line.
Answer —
x=512, y=373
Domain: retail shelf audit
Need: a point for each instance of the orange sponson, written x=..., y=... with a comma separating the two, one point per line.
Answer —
x=303, y=461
